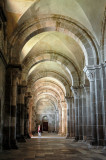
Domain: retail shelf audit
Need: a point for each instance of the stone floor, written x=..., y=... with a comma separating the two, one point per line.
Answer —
x=53, y=148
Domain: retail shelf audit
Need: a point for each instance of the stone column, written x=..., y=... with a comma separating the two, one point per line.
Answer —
x=63, y=122
x=60, y=121
x=80, y=129
x=73, y=119
x=76, y=97
x=90, y=72
x=9, y=129
x=20, y=113
x=7, y=111
x=69, y=109
x=56, y=121
x=26, y=117
x=88, y=114
x=18, y=132
x=22, y=105
x=13, y=109
x=84, y=114
x=99, y=107
x=103, y=77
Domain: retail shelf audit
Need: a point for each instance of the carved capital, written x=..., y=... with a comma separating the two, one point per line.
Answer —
x=75, y=91
x=90, y=73
x=68, y=98
x=87, y=89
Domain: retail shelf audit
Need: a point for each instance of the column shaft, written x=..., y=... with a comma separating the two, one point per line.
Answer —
x=88, y=113
x=69, y=108
x=63, y=122
x=80, y=114
x=7, y=111
x=73, y=119
x=90, y=72
x=99, y=107
x=13, y=112
x=60, y=122
x=104, y=100
x=84, y=115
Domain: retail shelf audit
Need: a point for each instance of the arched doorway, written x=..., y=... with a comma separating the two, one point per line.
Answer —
x=45, y=123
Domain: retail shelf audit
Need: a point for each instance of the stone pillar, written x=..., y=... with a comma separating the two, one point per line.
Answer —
x=13, y=109
x=7, y=111
x=103, y=77
x=56, y=121
x=22, y=105
x=84, y=114
x=9, y=129
x=20, y=113
x=63, y=122
x=99, y=107
x=90, y=72
x=88, y=114
x=26, y=117
x=64, y=116
x=76, y=97
x=80, y=129
x=73, y=119
x=18, y=132
x=60, y=121
x=69, y=109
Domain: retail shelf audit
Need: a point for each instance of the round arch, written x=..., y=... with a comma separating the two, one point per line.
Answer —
x=58, y=23
x=33, y=78
x=56, y=57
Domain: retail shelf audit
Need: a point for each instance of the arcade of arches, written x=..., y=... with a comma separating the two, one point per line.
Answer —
x=52, y=70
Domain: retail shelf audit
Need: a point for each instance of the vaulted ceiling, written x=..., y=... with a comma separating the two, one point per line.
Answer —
x=52, y=56
x=89, y=13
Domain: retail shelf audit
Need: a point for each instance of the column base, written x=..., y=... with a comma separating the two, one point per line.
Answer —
x=21, y=139
x=68, y=137
x=76, y=138
x=93, y=142
x=104, y=142
x=100, y=142
x=13, y=144
x=89, y=139
x=6, y=146
x=27, y=136
x=81, y=138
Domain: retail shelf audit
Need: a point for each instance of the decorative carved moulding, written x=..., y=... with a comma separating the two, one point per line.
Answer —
x=75, y=91
x=90, y=73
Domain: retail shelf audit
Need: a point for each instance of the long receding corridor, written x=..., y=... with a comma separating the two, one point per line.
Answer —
x=52, y=79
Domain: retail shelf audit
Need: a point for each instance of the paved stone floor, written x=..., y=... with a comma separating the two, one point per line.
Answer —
x=51, y=148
